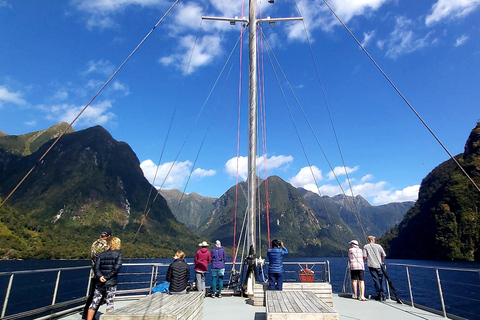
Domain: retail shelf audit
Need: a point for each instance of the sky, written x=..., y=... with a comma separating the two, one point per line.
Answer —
x=329, y=119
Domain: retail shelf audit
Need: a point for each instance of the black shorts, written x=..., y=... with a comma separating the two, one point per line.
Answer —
x=357, y=274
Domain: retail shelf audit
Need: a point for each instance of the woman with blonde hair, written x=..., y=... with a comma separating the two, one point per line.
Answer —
x=106, y=269
x=178, y=274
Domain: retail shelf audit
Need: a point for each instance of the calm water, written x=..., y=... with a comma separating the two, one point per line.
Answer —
x=461, y=290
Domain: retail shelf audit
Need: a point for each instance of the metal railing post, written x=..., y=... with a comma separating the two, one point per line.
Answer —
x=151, y=279
x=56, y=288
x=441, y=293
x=328, y=272
x=409, y=286
x=7, y=295
x=386, y=284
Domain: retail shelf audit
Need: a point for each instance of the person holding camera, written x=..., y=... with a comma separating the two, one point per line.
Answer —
x=218, y=268
x=275, y=265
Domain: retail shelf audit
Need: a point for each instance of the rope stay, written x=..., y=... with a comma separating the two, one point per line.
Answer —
x=354, y=207
x=403, y=97
x=298, y=134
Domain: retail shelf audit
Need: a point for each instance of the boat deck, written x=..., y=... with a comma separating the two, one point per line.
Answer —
x=239, y=308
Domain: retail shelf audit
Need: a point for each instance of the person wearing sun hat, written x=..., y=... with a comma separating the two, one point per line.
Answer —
x=201, y=260
x=357, y=270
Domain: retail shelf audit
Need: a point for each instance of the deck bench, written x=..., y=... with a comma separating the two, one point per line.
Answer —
x=161, y=306
x=322, y=290
x=297, y=305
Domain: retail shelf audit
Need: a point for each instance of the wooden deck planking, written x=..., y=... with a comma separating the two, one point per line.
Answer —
x=298, y=305
x=161, y=306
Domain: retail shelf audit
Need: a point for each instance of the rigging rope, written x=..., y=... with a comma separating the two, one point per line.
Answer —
x=261, y=76
x=87, y=105
x=238, y=143
x=190, y=132
x=403, y=97
x=298, y=134
x=354, y=208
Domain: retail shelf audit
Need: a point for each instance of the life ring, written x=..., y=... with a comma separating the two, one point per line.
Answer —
x=306, y=275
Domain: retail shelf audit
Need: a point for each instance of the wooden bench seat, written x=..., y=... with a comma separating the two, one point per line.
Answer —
x=297, y=305
x=161, y=306
x=322, y=290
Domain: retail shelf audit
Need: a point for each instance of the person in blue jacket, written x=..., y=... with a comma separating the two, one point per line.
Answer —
x=275, y=264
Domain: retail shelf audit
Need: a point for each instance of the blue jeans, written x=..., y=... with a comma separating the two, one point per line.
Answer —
x=377, y=276
x=217, y=275
x=275, y=281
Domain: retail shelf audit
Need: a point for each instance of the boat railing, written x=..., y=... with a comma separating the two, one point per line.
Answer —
x=50, y=293
x=454, y=288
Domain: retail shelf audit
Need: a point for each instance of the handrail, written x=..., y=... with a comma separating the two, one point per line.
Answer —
x=443, y=310
x=142, y=286
x=430, y=267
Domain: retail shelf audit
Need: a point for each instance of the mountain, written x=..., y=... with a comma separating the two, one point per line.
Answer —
x=444, y=223
x=192, y=209
x=291, y=219
x=26, y=144
x=88, y=180
x=296, y=216
x=354, y=216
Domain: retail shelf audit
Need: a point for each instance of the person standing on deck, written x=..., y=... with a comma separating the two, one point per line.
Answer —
x=107, y=266
x=100, y=245
x=218, y=268
x=201, y=260
x=357, y=270
x=375, y=255
x=178, y=274
x=275, y=265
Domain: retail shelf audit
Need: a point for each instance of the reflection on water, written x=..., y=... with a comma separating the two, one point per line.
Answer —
x=460, y=289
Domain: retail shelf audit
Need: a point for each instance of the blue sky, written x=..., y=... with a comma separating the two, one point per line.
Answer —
x=55, y=55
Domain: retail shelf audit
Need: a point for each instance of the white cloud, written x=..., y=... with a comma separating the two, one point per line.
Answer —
x=367, y=37
x=347, y=9
x=316, y=15
x=205, y=50
x=103, y=67
x=177, y=172
x=117, y=86
x=450, y=9
x=95, y=114
x=306, y=177
x=460, y=41
x=403, y=40
x=406, y=194
x=11, y=97
x=61, y=95
x=31, y=123
x=100, y=13
x=202, y=173
x=274, y=162
x=379, y=192
x=187, y=16
x=340, y=171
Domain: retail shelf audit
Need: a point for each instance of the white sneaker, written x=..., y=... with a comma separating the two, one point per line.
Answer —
x=354, y=296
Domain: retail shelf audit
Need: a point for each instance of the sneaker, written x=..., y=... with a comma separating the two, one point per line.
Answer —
x=212, y=296
x=219, y=295
x=354, y=296
x=362, y=298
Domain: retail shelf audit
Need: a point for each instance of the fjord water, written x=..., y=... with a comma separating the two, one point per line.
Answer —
x=461, y=289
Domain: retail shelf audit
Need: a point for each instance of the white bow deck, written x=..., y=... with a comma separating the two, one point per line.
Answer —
x=239, y=308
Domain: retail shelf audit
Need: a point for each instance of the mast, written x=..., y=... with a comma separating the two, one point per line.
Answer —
x=251, y=23
x=252, y=125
